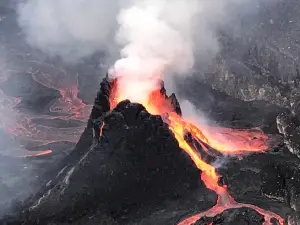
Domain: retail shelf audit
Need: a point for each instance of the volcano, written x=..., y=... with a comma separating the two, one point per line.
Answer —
x=143, y=163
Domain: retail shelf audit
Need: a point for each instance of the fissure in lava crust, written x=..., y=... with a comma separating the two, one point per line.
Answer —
x=214, y=142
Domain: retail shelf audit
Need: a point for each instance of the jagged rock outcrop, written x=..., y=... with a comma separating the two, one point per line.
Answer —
x=261, y=60
x=289, y=126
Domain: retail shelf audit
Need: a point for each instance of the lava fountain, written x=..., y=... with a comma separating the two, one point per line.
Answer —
x=236, y=141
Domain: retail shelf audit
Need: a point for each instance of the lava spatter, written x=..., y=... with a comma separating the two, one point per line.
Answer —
x=223, y=140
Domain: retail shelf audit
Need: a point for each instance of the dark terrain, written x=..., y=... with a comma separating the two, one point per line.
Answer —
x=105, y=178
x=261, y=61
x=136, y=173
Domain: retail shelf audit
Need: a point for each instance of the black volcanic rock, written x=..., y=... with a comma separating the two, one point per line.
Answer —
x=172, y=98
x=268, y=180
x=240, y=216
x=259, y=60
x=283, y=184
x=148, y=155
x=274, y=181
x=135, y=172
x=136, y=164
x=289, y=126
x=293, y=219
x=101, y=103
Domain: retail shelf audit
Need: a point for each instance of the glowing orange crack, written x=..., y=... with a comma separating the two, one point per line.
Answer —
x=39, y=153
x=101, y=129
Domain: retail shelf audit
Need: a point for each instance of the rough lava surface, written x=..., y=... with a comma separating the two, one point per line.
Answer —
x=131, y=171
x=261, y=60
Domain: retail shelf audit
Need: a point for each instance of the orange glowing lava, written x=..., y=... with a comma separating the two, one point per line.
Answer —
x=224, y=140
x=39, y=153
x=101, y=128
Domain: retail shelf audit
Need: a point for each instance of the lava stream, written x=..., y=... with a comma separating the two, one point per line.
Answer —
x=101, y=129
x=210, y=179
x=39, y=153
x=25, y=128
x=67, y=85
x=224, y=140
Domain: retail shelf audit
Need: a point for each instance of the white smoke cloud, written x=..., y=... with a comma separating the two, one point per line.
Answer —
x=78, y=28
x=156, y=37
x=156, y=42
x=68, y=28
x=160, y=38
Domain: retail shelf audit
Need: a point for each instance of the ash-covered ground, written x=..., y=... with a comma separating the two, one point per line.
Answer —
x=137, y=174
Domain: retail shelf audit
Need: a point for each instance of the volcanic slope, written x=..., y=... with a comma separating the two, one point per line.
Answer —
x=128, y=168
x=134, y=169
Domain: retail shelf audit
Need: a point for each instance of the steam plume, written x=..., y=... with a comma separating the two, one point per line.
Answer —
x=161, y=37
x=75, y=28
x=156, y=41
x=68, y=28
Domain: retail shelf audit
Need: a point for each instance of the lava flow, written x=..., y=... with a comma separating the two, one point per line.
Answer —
x=223, y=140
x=39, y=153
x=30, y=129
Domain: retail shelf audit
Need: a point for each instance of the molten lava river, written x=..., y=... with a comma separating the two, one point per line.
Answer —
x=237, y=142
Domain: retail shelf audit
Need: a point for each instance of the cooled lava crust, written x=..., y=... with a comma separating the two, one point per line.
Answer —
x=132, y=171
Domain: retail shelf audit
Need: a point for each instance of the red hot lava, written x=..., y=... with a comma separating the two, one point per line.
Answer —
x=39, y=153
x=101, y=129
x=224, y=140
x=25, y=126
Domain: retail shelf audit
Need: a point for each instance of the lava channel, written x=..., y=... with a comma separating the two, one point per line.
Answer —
x=223, y=140
x=39, y=153
x=68, y=107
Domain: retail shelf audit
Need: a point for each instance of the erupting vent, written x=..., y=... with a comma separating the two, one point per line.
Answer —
x=212, y=142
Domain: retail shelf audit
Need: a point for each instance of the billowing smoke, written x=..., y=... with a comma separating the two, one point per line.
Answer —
x=157, y=41
x=68, y=28
x=160, y=39
x=174, y=30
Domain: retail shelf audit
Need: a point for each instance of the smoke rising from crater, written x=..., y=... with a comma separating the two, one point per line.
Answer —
x=155, y=38
x=71, y=29
x=179, y=29
x=160, y=38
